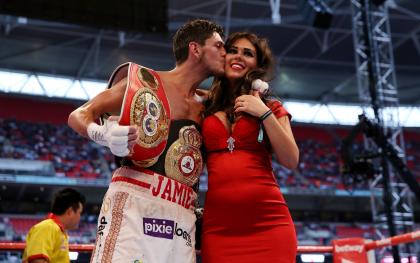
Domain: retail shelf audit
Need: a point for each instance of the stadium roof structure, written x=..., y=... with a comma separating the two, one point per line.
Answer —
x=313, y=64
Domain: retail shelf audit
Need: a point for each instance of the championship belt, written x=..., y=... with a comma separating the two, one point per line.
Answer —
x=145, y=105
x=183, y=161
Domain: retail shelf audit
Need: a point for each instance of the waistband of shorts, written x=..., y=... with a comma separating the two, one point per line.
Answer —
x=156, y=185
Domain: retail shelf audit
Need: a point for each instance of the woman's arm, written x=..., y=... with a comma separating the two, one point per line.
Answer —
x=278, y=129
x=282, y=140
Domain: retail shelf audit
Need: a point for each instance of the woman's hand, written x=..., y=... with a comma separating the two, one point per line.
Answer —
x=251, y=104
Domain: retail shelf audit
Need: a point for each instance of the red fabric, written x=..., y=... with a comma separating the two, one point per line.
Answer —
x=56, y=219
x=131, y=181
x=141, y=152
x=278, y=109
x=35, y=109
x=245, y=216
x=37, y=256
x=349, y=250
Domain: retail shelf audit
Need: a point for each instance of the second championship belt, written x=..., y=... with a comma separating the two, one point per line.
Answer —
x=183, y=161
x=145, y=105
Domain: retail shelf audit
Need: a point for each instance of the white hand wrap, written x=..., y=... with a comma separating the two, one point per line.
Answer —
x=111, y=135
x=260, y=86
x=118, y=142
x=100, y=133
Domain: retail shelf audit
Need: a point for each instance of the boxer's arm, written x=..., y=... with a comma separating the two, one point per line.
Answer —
x=108, y=101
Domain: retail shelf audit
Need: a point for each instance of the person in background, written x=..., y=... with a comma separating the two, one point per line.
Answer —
x=48, y=241
x=246, y=218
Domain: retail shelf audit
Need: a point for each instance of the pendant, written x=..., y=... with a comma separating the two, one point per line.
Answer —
x=230, y=144
x=260, y=134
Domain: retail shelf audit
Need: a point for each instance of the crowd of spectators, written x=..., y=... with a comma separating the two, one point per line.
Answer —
x=77, y=157
x=321, y=166
x=70, y=154
x=318, y=167
x=15, y=227
x=73, y=156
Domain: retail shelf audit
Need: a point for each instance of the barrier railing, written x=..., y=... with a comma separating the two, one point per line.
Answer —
x=400, y=239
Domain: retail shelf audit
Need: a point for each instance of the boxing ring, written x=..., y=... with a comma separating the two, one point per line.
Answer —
x=343, y=250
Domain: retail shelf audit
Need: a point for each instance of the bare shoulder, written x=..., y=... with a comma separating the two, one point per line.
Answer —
x=109, y=100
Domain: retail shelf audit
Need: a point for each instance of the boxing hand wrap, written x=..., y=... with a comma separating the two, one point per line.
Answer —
x=118, y=141
x=99, y=133
x=260, y=85
x=111, y=135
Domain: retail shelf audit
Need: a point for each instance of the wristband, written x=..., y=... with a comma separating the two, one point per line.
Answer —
x=97, y=133
x=265, y=115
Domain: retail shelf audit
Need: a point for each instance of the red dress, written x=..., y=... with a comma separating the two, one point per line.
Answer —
x=245, y=218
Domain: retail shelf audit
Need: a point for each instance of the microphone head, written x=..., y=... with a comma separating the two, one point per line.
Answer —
x=260, y=86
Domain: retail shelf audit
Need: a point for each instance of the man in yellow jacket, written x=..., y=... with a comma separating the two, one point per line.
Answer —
x=47, y=241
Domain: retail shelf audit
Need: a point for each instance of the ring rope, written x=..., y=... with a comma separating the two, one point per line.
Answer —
x=399, y=239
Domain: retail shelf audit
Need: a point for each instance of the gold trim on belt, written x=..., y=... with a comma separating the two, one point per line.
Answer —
x=148, y=113
x=184, y=161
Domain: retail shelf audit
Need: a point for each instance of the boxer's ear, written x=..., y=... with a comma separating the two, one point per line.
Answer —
x=194, y=49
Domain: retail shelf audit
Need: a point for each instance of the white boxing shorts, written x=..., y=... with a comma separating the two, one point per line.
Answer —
x=145, y=218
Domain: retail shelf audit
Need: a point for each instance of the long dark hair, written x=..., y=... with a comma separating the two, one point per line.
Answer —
x=222, y=98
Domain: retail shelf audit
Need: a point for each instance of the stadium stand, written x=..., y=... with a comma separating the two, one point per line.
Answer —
x=43, y=146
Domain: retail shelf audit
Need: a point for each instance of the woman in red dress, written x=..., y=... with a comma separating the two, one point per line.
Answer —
x=246, y=218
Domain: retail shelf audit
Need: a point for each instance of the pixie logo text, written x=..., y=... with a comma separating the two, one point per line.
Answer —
x=163, y=228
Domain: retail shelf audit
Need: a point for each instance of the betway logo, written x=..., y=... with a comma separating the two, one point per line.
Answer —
x=348, y=248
